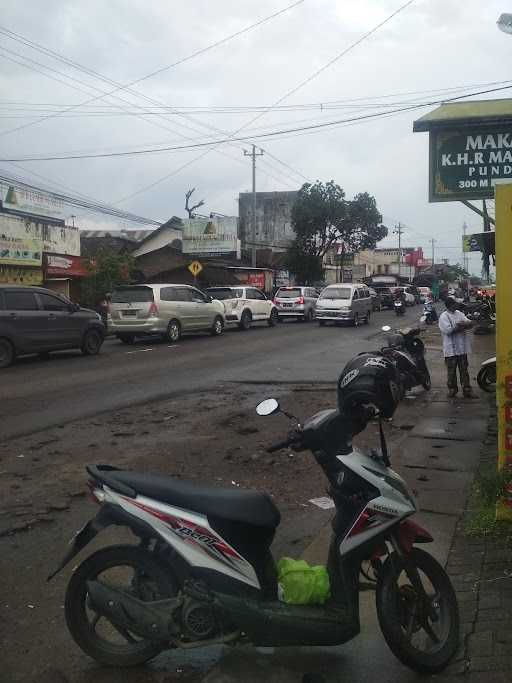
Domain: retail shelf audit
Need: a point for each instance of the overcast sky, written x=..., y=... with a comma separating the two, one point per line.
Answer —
x=431, y=45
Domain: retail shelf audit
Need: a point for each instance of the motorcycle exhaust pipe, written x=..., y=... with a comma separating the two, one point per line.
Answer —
x=149, y=620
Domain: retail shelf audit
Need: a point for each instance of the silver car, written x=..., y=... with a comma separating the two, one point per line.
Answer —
x=296, y=302
x=165, y=309
x=344, y=303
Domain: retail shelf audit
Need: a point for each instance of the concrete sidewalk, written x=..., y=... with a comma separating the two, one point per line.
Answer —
x=438, y=458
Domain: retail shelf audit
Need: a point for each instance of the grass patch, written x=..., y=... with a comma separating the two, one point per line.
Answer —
x=481, y=515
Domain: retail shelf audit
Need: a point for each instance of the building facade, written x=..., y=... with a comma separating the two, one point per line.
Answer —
x=274, y=229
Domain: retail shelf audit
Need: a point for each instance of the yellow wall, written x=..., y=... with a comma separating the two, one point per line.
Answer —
x=504, y=336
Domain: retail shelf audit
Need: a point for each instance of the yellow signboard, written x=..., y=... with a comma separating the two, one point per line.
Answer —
x=11, y=275
x=195, y=268
x=504, y=340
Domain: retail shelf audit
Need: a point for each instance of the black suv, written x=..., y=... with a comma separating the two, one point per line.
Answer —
x=36, y=320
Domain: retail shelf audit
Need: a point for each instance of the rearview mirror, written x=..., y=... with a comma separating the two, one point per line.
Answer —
x=267, y=407
x=73, y=308
x=386, y=328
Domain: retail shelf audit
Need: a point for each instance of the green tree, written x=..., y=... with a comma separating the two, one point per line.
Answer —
x=322, y=216
x=107, y=270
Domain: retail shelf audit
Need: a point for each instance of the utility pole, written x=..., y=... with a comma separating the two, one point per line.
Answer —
x=399, y=231
x=464, y=254
x=253, y=154
x=432, y=242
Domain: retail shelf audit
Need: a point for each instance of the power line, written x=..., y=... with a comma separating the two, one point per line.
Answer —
x=279, y=101
x=46, y=51
x=196, y=53
x=327, y=124
x=76, y=201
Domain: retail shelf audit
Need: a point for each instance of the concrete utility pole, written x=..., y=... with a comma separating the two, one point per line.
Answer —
x=464, y=254
x=398, y=230
x=432, y=242
x=253, y=154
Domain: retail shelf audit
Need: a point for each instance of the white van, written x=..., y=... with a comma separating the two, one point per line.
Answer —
x=344, y=302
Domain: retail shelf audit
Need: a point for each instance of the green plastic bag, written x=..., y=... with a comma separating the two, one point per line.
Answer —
x=300, y=584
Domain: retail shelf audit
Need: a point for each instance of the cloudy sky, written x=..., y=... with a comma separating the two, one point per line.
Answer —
x=424, y=53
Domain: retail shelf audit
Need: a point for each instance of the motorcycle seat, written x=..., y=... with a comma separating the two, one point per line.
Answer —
x=238, y=505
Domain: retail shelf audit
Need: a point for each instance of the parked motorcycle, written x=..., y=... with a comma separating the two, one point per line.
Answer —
x=407, y=351
x=430, y=312
x=399, y=307
x=203, y=572
x=483, y=314
x=486, y=377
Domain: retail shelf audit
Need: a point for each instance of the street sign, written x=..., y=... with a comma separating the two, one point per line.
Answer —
x=468, y=163
x=195, y=268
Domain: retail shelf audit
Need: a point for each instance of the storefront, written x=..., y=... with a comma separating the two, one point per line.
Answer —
x=63, y=273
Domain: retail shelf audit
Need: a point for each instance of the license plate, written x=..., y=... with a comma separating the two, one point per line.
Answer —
x=287, y=305
x=129, y=314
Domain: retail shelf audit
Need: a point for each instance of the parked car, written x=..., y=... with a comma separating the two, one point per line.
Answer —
x=296, y=302
x=386, y=297
x=409, y=298
x=36, y=320
x=425, y=293
x=244, y=305
x=344, y=303
x=164, y=309
x=376, y=300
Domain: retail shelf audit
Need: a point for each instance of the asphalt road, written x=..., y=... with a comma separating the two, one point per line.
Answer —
x=39, y=393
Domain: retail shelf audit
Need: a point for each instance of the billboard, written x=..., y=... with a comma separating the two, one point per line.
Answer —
x=66, y=266
x=18, y=245
x=210, y=236
x=30, y=201
x=59, y=239
x=467, y=163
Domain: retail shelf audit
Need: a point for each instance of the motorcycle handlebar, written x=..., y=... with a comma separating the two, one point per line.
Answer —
x=292, y=440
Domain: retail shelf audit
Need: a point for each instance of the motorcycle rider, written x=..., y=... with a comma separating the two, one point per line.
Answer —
x=456, y=346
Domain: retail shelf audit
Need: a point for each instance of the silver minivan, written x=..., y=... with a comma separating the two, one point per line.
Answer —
x=344, y=302
x=296, y=302
x=165, y=309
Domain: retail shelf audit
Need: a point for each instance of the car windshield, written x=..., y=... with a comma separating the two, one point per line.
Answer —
x=221, y=293
x=288, y=293
x=130, y=295
x=336, y=293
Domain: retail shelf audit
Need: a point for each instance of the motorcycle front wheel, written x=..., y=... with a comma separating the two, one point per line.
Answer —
x=417, y=611
x=127, y=568
x=427, y=382
x=486, y=378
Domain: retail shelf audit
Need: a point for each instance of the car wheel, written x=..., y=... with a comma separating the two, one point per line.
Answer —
x=245, y=321
x=274, y=318
x=173, y=333
x=7, y=353
x=91, y=343
x=127, y=338
x=217, y=327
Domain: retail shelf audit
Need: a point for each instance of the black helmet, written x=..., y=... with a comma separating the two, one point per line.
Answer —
x=368, y=380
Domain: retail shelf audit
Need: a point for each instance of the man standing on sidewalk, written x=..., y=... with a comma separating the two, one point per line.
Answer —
x=456, y=346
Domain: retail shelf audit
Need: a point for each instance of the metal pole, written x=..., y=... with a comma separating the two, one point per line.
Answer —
x=253, y=154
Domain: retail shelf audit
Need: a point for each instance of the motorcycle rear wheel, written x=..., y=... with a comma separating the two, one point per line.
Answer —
x=486, y=378
x=148, y=580
x=421, y=629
